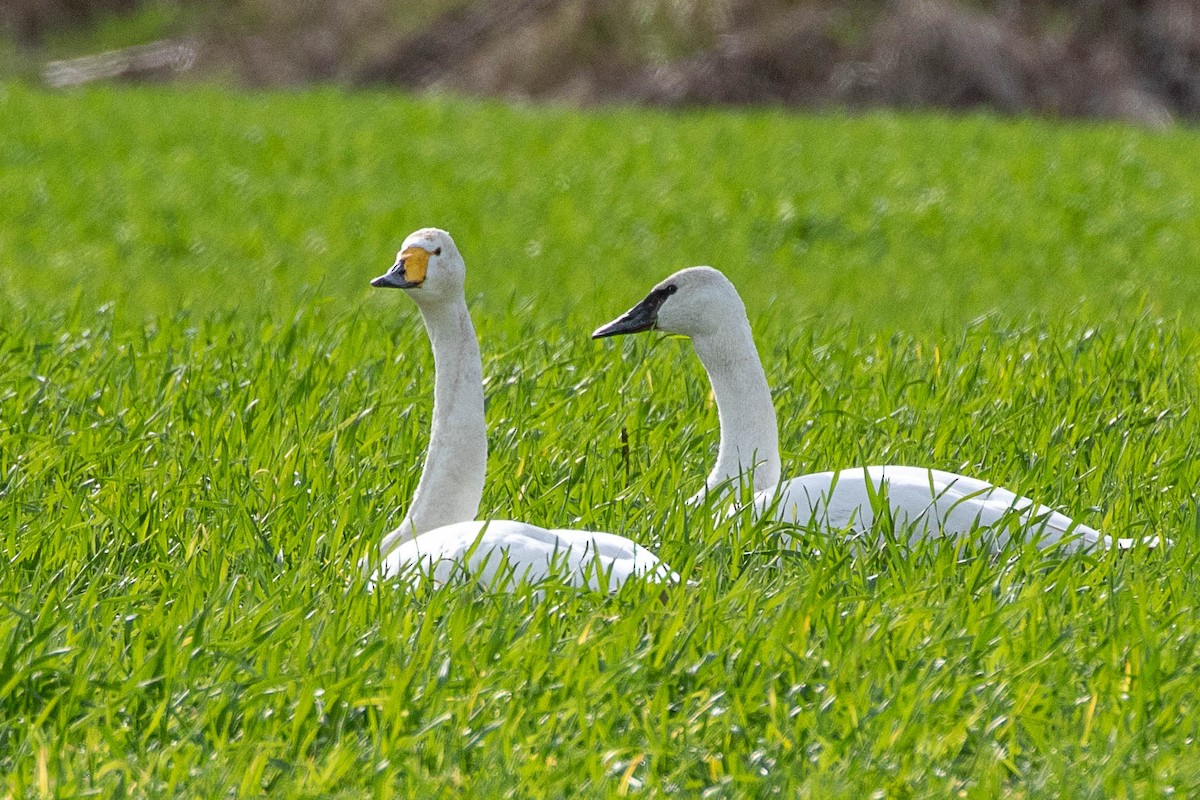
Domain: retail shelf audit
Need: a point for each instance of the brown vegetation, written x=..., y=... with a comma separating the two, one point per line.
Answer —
x=1130, y=59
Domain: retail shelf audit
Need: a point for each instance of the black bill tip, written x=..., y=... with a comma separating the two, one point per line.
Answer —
x=626, y=323
x=642, y=317
x=392, y=280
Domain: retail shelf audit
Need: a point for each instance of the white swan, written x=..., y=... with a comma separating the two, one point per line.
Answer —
x=702, y=304
x=440, y=535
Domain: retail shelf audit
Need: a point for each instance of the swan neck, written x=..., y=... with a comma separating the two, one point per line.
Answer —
x=451, y=483
x=749, y=431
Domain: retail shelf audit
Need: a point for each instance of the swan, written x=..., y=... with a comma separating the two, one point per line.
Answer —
x=701, y=304
x=439, y=534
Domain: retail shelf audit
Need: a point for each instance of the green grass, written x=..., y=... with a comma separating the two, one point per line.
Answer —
x=206, y=417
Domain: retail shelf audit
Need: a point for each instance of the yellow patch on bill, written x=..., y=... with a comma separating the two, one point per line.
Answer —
x=416, y=262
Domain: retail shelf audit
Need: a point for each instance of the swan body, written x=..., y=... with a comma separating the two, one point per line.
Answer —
x=439, y=535
x=501, y=553
x=701, y=303
x=923, y=503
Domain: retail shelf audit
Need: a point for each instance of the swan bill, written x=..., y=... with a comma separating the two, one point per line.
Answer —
x=408, y=272
x=642, y=317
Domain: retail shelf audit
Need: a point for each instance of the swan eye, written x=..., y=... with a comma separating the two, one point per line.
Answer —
x=662, y=293
x=437, y=252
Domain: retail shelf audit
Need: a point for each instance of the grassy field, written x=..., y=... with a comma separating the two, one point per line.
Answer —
x=206, y=418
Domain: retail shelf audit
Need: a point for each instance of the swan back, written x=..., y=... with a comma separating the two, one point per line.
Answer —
x=502, y=553
x=923, y=503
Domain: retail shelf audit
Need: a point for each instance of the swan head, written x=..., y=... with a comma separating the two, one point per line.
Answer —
x=428, y=267
x=694, y=302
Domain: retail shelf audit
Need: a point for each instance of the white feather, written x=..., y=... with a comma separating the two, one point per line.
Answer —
x=439, y=535
x=701, y=303
x=499, y=554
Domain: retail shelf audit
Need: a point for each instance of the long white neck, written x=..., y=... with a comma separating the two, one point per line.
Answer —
x=749, y=432
x=451, y=484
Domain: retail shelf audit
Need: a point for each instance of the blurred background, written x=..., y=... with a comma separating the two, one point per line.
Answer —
x=1132, y=60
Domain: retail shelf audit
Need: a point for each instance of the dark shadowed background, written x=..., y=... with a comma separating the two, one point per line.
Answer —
x=1136, y=60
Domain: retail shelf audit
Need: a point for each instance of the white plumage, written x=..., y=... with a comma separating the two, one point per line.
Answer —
x=439, y=535
x=500, y=553
x=924, y=503
x=701, y=303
